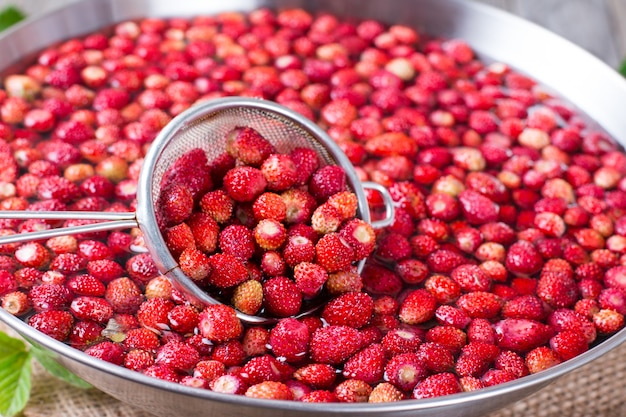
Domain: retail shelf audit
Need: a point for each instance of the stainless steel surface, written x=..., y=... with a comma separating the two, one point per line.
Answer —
x=571, y=72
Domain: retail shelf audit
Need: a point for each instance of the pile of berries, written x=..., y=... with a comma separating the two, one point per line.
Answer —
x=263, y=229
x=505, y=258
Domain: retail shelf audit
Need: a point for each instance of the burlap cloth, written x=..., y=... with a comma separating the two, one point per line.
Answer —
x=597, y=390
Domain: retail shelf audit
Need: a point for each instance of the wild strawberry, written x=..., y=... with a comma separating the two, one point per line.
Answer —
x=49, y=297
x=608, y=321
x=248, y=297
x=282, y=297
x=195, y=264
x=177, y=355
x=228, y=384
x=269, y=206
x=280, y=172
x=471, y=278
x=16, y=303
x=326, y=219
x=524, y=307
x=306, y=161
x=333, y=253
x=152, y=314
x=289, y=339
x=334, y=344
x=141, y=268
x=162, y=372
x=521, y=335
x=247, y=145
x=309, y=278
x=205, y=232
x=299, y=206
x=209, y=370
x=316, y=375
x=189, y=170
x=557, y=290
x=107, y=351
x=360, y=236
x=227, y=270
x=447, y=336
x=418, y=307
x=218, y=205
x=91, y=308
x=244, y=183
x=327, y=181
x=104, y=270
x=378, y=279
x=366, y=365
x=141, y=338
x=343, y=282
x=265, y=368
x=393, y=247
x=353, y=391
x=33, y=255
x=238, y=241
x=350, y=309
x=54, y=323
x=437, y=385
x=298, y=249
x=270, y=234
x=178, y=238
x=477, y=208
x=568, y=344
x=522, y=259
x=219, y=323
x=391, y=143
x=175, y=204
x=270, y=390
x=85, y=334
x=480, y=304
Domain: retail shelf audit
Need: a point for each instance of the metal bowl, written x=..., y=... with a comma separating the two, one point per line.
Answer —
x=570, y=72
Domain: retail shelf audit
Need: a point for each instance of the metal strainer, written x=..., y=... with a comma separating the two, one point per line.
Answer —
x=205, y=126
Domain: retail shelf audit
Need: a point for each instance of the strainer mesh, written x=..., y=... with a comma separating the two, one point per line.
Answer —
x=209, y=131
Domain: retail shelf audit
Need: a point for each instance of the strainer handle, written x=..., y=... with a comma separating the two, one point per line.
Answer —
x=387, y=200
x=113, y=221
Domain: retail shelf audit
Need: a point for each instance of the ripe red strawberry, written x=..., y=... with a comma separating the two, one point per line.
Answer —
x=219, y=323
x=384, y=393
x=333, y=253
x=299, y=206
x=405, y=371
x=289, y=339
x=353, y=391
x=326, y=219
x=309, y=278
x=540, y=359
x=162, y=372
x=270, y=234
x=523, y=259
x=282, y=297
x=195, y=264
x=178, y=238
x=353, y=309
x=248, y=297
x=255, y=341
x=480, y=304
x=366, y=365
x=557, y=289
x=437, y=385
x=175, y=204
x=417, y=307
x=343, y=282
x=141, y=268
x=360, y=236
x=209, y=370
x=334, y=344
x=521, y=335
x=228, y=384
x=265, y=368
x=407, y=196
x=326, y=181
x=183, y=319
x=471, y=278
x=248, y=145
x=85, y=284
x=123, y=295
x=138, y=360
x=512, y=362
x=91, y=309
x=393, y=247
x=49, y=297
x=190, y=170
x=227, y=270
x=85, y=334
x=378, y=279
x=447, y=336
x=524, y=307
x=298, y=249
x=33, y=255
x=177, y=355
x=390, y=144
x=568, y=344
x=477, y=208
x=280, y=172
x=316, y=375
x=107, y=351
x=306, y=161
x=270, y=390
x=54, y=323
x=269, y=206
x=141, y=338
x=244, y=183
x=218, y=205
x=152, y=314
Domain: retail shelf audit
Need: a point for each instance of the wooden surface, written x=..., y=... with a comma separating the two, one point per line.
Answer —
x=597, y=25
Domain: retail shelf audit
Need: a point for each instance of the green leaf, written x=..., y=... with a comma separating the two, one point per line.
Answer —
x=10, y=345
x=57, y=370
x=622, y=68
x=10, y=16
x=15, y=379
